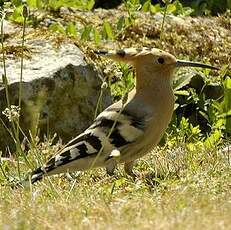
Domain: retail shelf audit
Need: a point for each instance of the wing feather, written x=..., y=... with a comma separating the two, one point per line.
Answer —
x=127, y=129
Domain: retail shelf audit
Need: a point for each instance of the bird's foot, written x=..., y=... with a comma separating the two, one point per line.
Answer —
x=128, y=166
x=110, y=168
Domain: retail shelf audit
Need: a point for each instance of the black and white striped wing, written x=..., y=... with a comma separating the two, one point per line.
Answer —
x=112, y=129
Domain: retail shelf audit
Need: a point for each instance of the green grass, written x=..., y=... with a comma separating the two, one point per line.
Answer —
x=175, y=189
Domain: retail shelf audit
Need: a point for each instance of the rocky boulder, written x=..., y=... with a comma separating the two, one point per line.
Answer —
x=59, y=91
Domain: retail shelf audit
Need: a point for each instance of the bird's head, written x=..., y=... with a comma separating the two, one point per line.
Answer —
x=153, y=59
x=151, y=62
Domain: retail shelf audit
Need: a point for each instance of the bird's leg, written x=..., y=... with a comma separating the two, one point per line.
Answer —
x=128, y=166
x=110, y=168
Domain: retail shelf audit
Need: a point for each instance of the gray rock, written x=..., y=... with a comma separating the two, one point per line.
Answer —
x=60, y=92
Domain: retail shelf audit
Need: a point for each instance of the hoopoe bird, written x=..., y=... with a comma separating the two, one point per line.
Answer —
x=132, y=127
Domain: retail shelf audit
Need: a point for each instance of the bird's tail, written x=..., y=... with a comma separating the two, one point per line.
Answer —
x=44, y=170
x=37, y=175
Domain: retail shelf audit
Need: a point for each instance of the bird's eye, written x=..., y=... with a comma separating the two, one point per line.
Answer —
x=160, y=60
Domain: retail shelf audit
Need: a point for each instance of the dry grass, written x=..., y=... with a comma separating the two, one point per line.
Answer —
x=189, y=190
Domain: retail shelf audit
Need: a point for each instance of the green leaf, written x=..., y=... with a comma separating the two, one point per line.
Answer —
x=182, y=92
x=32, y=4
x=227, y=83
x=90, y=4
x=121, y=23
x=176, y=106
x=108, y=30
x=57, y=28
x=219, y=123
x=171, y=8
x=204, y=115
x=182, y=80
x=156, y=8
x=17, y=15
x=96, y=36
x=146, y=6
x=16, y=2
x=227, y=114
x=71, y=29
x=86, y=33
x=226, y=104
x=120, y=182
x=213, y=139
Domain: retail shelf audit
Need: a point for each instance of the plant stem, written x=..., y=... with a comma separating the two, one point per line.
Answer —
x=19, y=150
x=162, y=24
x=98, y=103
x=5, y=80
x=22, y=56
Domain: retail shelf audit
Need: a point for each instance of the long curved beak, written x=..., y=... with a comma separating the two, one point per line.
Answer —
x=181, y=63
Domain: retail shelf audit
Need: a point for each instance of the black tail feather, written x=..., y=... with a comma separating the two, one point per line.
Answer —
x=37, y=175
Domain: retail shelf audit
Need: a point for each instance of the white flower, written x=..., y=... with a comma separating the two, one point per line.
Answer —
x=12, y=113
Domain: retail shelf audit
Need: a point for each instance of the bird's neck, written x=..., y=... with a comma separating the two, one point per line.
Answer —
x=155, y=96
x=155, y=87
